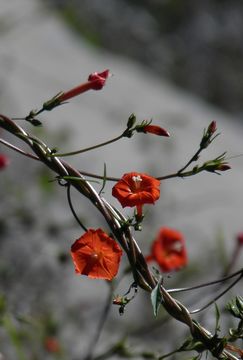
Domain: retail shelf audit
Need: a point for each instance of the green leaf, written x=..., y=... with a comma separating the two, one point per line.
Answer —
x=156, y=297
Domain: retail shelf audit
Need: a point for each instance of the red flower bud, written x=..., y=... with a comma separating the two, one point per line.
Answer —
x=4, y=161
x=156, y=130
x=223, y=167
x=52, y=345
x=96, y=81
x=240, y=239
x=212, y=127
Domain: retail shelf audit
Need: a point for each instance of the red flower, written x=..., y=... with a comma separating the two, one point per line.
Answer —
x=4, y=161
x=96, y=81
x=52, y=345
x=135, y=189
x=96, y=255
x=240, y=239
x=156, y=130
x=168, y=250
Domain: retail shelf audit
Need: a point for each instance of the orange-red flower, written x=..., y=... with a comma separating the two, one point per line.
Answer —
x=156, y=130
x=135, y=189
x=96, y=81
x=168, y=250
x=96, y=255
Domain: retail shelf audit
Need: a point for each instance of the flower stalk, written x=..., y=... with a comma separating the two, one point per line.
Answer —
x=133, y=190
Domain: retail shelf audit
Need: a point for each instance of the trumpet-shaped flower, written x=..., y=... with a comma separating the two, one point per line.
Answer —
x=168, y=250
x=96, y=81
x=135, y=189
x=96, y=255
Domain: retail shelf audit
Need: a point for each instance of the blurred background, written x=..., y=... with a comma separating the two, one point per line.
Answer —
x=195, y=45
x=179, y=63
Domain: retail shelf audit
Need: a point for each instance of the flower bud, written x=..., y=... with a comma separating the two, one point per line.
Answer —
x=131, y=121
x=52, y=345
x=239, y=239
x=4, y=161
x=156, y=130
x=96, y=81
x=207, y=135
x=216, y=165
x=212, y=127
x=223, y=167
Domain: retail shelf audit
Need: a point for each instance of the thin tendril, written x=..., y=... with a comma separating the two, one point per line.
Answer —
x=217, y=297
x=72, y=209
x=207, y=284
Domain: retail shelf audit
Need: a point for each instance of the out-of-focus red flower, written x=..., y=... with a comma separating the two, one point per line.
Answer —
x=135, y=189
x=52, y=345
x=168, y=250
x=4, y=161
x=156, y=130
x=96, y=255
x=96, y=81
x=240, y=239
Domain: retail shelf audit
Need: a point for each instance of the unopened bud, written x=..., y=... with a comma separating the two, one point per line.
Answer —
x=4, y=161
x=212, y=127
x=240, y=238
x=207, y=135
x=98, y=80
x=216, y=165
x=223, y=167
x=131, y=121
x=145, y=127
x=156, y=130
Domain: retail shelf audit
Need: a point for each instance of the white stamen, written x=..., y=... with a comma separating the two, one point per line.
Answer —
x=177, y=246
x=137, y=178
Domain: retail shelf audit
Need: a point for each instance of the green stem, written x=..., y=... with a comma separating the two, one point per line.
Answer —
x=89, y=148
x=225, y=278
x=217, y=297
x=15, y=148
x=168, y=354
x=101, y=323
x=194, y=158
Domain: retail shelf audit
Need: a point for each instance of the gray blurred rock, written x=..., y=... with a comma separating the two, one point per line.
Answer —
x=40, y=57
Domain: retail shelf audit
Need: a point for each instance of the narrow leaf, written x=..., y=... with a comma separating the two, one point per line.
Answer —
x=156, y=297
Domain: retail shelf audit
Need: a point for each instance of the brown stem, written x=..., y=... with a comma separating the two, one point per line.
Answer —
x=141, y=272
